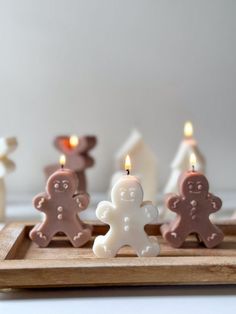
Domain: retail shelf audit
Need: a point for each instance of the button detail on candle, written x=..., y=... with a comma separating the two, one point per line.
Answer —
x=127, y=215
x=61, y=204
x=193, y=206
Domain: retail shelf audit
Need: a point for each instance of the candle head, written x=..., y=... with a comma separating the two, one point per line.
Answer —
x=127, y=190
x=73, y=141
x=194, y=186
x=128, y=164
x=188, y=129
x=62, y=182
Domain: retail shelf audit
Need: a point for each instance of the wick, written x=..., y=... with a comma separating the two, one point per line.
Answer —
x=193, y=168
x=127, y=170
x=62, y=166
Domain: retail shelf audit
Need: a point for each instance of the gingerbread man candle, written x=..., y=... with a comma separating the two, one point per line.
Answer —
x=127, y=215
x=61, y=204
x=76, y=151
x=193, y=207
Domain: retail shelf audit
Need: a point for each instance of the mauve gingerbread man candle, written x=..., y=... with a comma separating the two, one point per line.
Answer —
x=61, y=204
x=193, y=207
x=76, y=149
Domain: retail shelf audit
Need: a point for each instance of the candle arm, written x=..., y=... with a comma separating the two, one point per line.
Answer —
x=174, y=203
x=215, y=203
x=82, y=199
x=40, y=202
x=149, y=212
x=105, y=211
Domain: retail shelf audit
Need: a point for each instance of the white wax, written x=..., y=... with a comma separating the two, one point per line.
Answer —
x=127, y=215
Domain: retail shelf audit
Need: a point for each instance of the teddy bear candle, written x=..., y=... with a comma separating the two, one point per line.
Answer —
x=77, y=155
x=127, y=215
x=61, y=204
x=193, y=207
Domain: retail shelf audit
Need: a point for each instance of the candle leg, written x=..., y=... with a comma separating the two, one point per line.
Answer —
x=146, y=247
x=2, y=199
x=175, y=235
x=211, y=235
x=41, y=234
x=78, y=238
x=106, y=246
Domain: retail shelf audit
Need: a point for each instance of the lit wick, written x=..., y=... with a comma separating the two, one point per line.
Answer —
x=193, y=161
x=62, y=161
x=127, y=164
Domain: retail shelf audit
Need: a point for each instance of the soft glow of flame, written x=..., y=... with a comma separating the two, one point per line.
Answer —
x=62, y=160
x=127, y=163
x=74, y=140
x=193, y=161
x=188, y=129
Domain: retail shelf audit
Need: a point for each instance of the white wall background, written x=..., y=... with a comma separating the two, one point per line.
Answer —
x=103, y=67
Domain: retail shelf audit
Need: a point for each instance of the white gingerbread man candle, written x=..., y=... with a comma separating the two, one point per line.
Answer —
x=127, y=215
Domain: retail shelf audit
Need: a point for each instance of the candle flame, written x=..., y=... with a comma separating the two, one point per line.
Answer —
x=193, y=161
x=74, y=140
x=62, y=160
x=127, y=164
x=188, y=129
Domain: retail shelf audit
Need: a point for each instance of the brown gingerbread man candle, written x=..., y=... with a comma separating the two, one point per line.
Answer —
x=61, y=204
x=193, y=207
x=77, y=155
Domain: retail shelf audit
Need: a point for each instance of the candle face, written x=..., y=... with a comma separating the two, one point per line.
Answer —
x=61, y=205
x=127, y=215
x=193, y=207
x=77, y=156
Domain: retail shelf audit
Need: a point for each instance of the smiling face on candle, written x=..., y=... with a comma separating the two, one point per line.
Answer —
x=127, y=191
x=195, y=186
x=61, y=182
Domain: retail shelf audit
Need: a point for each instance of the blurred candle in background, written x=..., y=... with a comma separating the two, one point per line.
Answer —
x=77, y=152
x=180, y=163
x=7, y=145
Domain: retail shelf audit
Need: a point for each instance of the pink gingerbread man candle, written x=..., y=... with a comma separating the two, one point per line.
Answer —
x=61, y=204
x=77, y=155
x=193, y=207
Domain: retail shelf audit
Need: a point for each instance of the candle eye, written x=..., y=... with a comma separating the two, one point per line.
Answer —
x=56, y=185
x=65, y=185
x=122, y=193
x=199, y=187
x=132, y=193
x=190, y=187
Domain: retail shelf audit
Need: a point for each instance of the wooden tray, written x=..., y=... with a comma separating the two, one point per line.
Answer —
x=24, y=265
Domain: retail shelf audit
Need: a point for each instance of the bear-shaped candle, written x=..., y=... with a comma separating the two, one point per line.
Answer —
x=61, y=204
x=77, y=155
x=7, y=146
x=127, y=215
x=193, y=207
